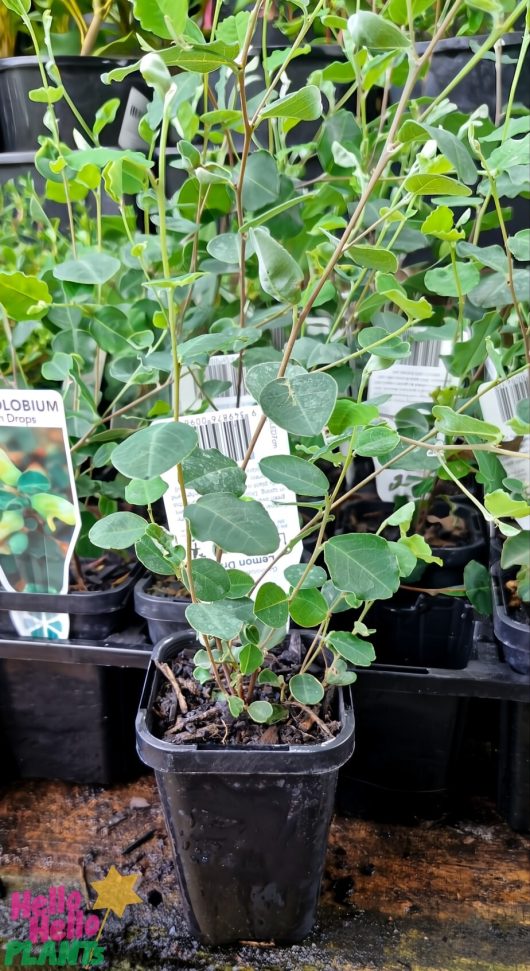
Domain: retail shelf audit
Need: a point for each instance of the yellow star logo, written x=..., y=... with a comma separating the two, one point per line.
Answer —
x=116, y=892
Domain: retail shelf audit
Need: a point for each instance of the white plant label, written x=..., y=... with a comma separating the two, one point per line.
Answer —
x=498, y=407
x=225, y=367
x=409, y=381
x=230, y=431
x=134, y=110
x=39, y=512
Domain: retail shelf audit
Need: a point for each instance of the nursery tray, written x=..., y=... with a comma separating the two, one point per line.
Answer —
x=484, y=677
x=128, y=648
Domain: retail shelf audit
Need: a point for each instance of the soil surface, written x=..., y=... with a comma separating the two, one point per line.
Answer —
x=168, y=587
x=105, y=573
x=186, y=713
x=451, y=894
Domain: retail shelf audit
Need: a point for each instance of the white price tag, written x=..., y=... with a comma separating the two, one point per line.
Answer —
x=498, y=407
x=409, y=381
x=230, y=431
x=134, y=110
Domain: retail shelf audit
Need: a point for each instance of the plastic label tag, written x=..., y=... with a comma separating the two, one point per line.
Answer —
x=498, y=407
x=231, y=431
x=225, y=367
x=39, y=513
x=134, y=110
x=409, y=381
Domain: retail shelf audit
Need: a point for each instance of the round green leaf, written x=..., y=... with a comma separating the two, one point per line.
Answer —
x=315, y=578
x=271, y=605
x=306, y=689
x=154, y=450
x=235, y=525
x=443, y=280
x=23, y=297
x=374, y=32
x=142, y=492
x=308, y=607
x=260, y=711
x=260, y=375
x=296, y=474
x=240, y=584
x=208, y=470
x=301, y=404
x=92, y=268
x=223, y=619
x=376, y=440
x=152, y=557
x=250, y=659
x=117, y=531
x=210, y=579
x=362, y=564
x=352, y=648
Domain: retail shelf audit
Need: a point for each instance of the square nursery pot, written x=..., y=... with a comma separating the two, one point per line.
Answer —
x=408, y=744
x=248, y=825
x=164, y=615
x=480, y=85
x=21, y=120
x=64, y=714
x=71, y=720
x=94, y=615
x=406, y=753
x=512, y=630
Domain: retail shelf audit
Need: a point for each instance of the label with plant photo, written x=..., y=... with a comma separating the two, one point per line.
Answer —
x=407, y=382
x=134, y=110
x=40, y=519
x=230, y=431
x=499, y=406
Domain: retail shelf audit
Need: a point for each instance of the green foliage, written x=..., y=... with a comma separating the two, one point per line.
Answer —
x=279, y=217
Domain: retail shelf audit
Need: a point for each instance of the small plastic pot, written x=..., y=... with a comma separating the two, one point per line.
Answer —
x=69, y=720
x=513, y=636
x=21, y=120
x=93, y=615
x=248, y=825
x=164, y=615
x=15, y=165
x=479, y=86
x=423, y=631
x=407, y=746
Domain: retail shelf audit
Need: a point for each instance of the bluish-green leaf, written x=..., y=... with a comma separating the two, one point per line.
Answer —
x=296, y=474
x=301, y=404
x=362, y=564
x=154, y=450
x=117, y=531
x=235, y=525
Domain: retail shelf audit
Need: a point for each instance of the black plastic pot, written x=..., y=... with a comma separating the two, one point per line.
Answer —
x=21, y=120
x=248, y=826
x=421, y=630
x=513, y=794
x=513, y=636
x=164, y=616
x=405, y=755
x=479, y=87
x=69, y=720
x=15, y=165
x=93, y=615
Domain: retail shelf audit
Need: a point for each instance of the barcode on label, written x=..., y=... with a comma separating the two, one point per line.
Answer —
x=224, y=370
x=231, y=437
x=424, y=354
x=509, y=394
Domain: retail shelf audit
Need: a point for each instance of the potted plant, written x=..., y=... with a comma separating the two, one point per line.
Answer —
x=221, y=701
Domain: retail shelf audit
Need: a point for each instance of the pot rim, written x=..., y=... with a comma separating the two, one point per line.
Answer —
x=464, y=43
x=289, y=760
